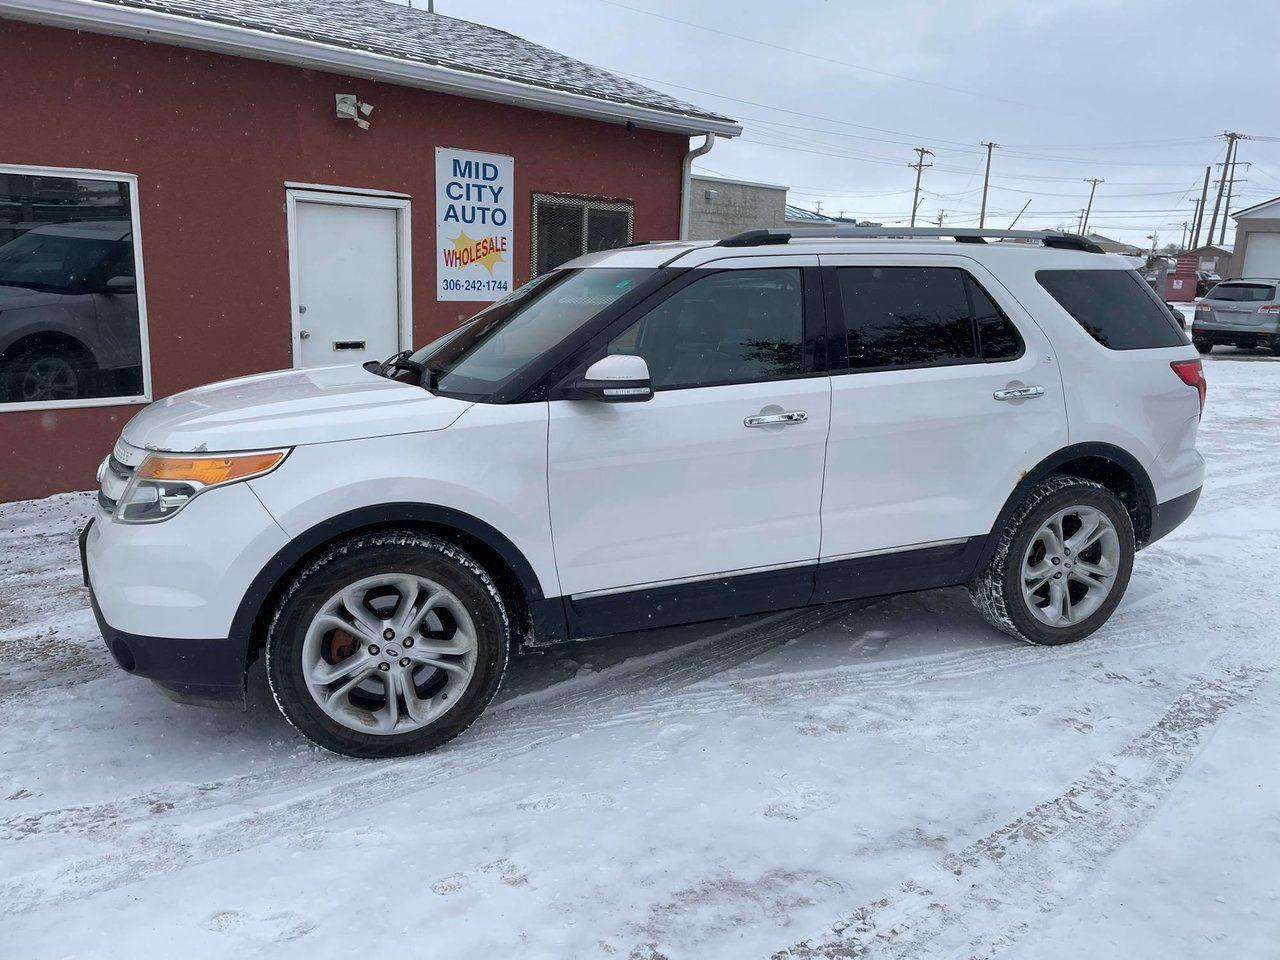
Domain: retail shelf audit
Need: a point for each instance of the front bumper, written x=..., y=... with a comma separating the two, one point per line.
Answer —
x=188, y=670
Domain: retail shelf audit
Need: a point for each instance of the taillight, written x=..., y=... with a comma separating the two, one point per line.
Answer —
x=1191, y=372
x=1203, y=306
x=1270, y=308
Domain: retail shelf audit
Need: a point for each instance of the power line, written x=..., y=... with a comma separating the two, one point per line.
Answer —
x=817, y=56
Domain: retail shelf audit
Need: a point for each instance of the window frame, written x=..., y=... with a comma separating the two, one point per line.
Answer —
x=838, y=343
x=144, y=340
x=586, y=205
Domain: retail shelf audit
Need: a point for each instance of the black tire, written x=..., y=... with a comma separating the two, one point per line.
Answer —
x=364, y=556
x=22, y=374
x=1204, y=347
x=997, y=591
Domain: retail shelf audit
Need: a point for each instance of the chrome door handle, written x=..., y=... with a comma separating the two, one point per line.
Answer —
x=1019, y=393
x=776, y=419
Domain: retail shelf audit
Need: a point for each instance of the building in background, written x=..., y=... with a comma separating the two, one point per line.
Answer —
x=720, y=207
x=1213, y=259
x=192, y=190
x=1256, y=251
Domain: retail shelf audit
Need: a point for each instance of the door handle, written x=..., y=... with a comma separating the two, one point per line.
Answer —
x=1019, y=393
x=304, y=334
x=776, y=419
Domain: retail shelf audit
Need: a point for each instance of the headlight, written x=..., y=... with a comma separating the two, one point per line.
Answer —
x=165, y=483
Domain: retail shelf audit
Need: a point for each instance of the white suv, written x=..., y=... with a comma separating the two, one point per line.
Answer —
x=660, y=434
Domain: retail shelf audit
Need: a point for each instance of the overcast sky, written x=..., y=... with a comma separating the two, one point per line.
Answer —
x=833, y=94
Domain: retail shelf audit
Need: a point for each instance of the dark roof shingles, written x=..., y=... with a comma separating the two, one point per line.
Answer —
x=413, y=34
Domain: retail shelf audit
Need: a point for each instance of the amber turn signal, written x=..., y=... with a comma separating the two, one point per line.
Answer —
x=209, y=471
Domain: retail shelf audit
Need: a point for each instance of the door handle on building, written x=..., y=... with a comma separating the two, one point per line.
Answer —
x=304, y=335
x=1019, y=393
x=776, y=419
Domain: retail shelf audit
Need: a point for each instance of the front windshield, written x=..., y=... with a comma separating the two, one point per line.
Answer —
x=496, y=344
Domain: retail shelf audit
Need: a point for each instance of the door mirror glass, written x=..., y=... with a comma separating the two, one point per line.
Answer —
x=122, y=285
x=617, y=379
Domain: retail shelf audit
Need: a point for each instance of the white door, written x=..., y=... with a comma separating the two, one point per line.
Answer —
x=927, y=443
x=349, y=263
x=1262, y=255
x=681, y=487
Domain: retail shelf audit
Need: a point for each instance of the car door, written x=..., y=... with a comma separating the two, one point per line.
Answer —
x=944, y=393
x=688, y=506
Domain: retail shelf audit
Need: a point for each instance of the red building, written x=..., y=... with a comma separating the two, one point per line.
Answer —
x=192, y=190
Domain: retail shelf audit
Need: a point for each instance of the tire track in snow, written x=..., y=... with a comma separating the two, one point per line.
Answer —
x=679, y=683
x=144, y=850
x=985, y=897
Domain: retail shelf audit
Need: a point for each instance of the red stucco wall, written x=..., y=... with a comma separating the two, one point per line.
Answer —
x=212, y=140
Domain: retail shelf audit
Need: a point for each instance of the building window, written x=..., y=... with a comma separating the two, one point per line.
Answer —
x=567, y=227
x=72, y=314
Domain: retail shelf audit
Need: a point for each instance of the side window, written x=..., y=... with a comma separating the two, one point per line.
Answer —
x=998, y=338
x=1115, y=307
x=906, y=316
x=735, y=326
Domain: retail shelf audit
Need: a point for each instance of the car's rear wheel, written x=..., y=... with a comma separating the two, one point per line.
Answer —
x=1203, y=347
x=1061, y=565
x=387, y=644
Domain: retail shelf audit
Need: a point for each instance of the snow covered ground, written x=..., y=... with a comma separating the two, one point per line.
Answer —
x=887, y=780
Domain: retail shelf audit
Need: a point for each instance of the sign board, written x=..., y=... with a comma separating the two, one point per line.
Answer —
x=475, y=206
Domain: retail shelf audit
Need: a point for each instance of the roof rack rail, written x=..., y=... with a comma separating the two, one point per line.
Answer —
x=1050, y=238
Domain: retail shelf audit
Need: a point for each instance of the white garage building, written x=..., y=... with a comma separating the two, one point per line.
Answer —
x=1257, y=246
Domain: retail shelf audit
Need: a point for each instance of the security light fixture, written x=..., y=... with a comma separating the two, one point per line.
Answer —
x=349, y=107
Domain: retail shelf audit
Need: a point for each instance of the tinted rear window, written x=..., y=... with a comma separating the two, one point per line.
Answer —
x=1248, y=292
x=1114, y=306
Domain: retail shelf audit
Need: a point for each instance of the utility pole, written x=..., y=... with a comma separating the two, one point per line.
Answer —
x=1231, y=139
x=1084, y=224
x=919, y=167
x=1226, y=207
x=1204, y=196
x=1080, y=222
x=941, y=214
x=1182, y=244
x=986, y=180
x=1195, y=223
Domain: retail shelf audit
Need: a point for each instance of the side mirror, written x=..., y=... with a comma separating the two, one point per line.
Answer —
x=122, y=285
x=617, y=378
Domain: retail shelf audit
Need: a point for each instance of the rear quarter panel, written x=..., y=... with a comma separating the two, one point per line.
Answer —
x=1131, y=399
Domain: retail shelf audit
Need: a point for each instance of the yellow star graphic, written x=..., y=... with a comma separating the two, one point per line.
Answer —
x=488, y=259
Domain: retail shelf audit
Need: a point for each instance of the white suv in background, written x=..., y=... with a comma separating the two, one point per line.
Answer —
x=661, y=434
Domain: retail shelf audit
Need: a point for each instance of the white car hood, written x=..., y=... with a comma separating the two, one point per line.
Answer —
x=289, y=408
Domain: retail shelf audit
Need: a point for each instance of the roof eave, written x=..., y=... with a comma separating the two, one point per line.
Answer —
x=161, y=27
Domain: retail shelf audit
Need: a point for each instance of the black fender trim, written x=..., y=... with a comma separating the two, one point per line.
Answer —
x=1105, y=451
x=388, y=515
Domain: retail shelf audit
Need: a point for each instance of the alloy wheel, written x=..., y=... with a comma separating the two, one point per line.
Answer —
x=389, y=654
x=49, y=378
x=1070, y=566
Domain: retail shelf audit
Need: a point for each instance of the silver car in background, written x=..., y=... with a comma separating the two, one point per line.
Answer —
x=1242, y=313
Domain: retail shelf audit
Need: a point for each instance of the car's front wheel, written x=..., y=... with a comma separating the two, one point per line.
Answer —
x=1061, y=565
x=387, y=644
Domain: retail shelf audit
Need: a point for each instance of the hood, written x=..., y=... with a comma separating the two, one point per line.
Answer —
x=17, y=298
x=289, y=408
